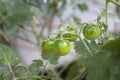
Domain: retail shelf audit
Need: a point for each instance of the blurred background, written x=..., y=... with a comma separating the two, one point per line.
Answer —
x=25, y=23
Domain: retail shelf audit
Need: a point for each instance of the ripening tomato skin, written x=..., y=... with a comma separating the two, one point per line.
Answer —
x=62, y=47
x=70, y=33
x=48, y=45
x=91, y=32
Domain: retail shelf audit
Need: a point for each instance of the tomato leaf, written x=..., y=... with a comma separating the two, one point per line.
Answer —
x=5, y=74
x=81, y=49
x=38, y=62
x=112, y=45
x=20, y=70
x=110, y=15
x=8, y=57
x=103, y=66
x=75, y=71
x=83, y=7
x=51, y=57
x=114, y=17
x=33, y=68
x=77, y=20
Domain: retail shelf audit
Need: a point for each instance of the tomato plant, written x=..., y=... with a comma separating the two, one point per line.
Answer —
x=95, y=61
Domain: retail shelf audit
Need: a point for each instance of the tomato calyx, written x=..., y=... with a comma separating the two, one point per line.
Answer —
x=71, y=33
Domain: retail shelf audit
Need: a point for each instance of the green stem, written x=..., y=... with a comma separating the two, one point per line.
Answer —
x=37, y=77
x=63, y=69
x=46, y=65
x=107, y=11
x=80, y=75
x=25, y=39
x=115, y=2
x=56, y=74
x=88, y=49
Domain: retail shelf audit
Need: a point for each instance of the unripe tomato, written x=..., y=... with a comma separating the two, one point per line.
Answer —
x=91, y=31
x=48, y=45
x=62, y=47
x=69, y=31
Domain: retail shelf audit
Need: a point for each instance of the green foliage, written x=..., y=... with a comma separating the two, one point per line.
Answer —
x=4, y=74
x=15, y=13
x=80, y=49
x=20, y=70
x=51, y=57
x=104, y=65
x=112, y=45
x=113, y=16
x=8, y=57
x=50, y=73
x=76, y=20
x=34, y=67
x=75, y=70
x=83, y=7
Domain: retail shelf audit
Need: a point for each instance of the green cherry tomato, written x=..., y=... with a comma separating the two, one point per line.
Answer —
x=62, y=47
x=48, y=45
x=91, y=31
x=70, y=33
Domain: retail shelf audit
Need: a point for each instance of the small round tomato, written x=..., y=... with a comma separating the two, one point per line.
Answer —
x=62, y=47
x=91, y=31
x=70, y=33
x=48, y=45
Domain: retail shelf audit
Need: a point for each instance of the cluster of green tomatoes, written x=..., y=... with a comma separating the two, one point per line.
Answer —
x=61, y=45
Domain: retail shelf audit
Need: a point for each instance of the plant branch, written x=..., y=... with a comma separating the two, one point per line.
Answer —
x=34, y=76
x=115, y=2
x=88, y=49
x=107, y=2
x=25, y=39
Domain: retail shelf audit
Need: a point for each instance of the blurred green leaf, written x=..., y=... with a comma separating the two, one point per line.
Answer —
x=111, y=15
x=112, y=45
x=94, y=47
x=20, y=70
x=77, y=20
x=38, y=62
x=36, y=11
x=114, y=17
x=75, y=70
x=51, y=57
x=50, y=73
x=13, y=30
x=6, y=74
x=3, y=34
x=8, y=57
x=33, y=68
x=81, y=49
x=83, y=7
x=15, y=13
x=103, y=66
